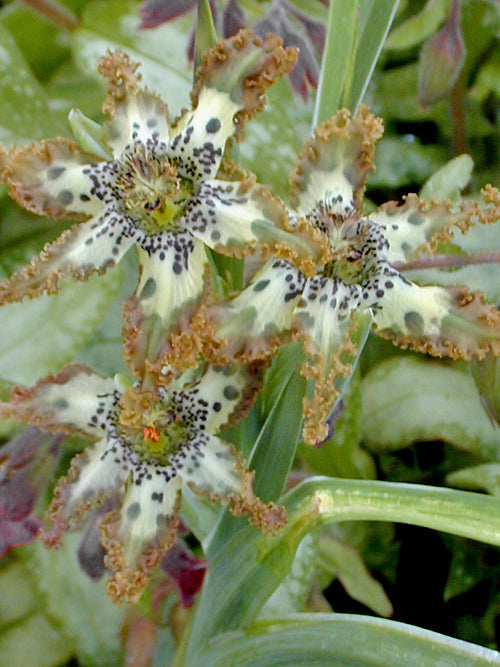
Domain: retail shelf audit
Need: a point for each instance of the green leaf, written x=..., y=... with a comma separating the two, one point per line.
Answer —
x=274, y=449
x=28, y=638
x=447, y=182
x=41, y=42
x=69, y=87
x=34, y=643
x=356, y=32
x=24, y=108
x=484, y=477
x=342, y=640
x=19, y=598
x=112, y=24
x=41, y=335
x=294, y=592
x=275, y=136
x=338, y=58
x=345, y=562
x=406, y=400
x=486, y=374
x=376, y=19
x=419, y=26
x=78, y=605
x=466, y=567
x=401, y=161
x=248, y=566
x=488, y=79
x=206, y=36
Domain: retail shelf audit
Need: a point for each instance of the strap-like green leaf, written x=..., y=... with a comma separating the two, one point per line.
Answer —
x=341, y=640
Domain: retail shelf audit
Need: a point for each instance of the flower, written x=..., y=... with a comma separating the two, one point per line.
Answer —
x=146, y=445
x=334, y=309
x=158, y=190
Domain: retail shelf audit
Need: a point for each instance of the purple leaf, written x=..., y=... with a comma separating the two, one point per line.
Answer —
x=155, y=12
x=17, y=533
x=233, y=19
x=25, y=466
x=185, y=570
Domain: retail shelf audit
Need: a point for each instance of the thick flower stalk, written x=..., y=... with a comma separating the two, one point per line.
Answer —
x=332, y=309
x=157, y=190
x=146, y=445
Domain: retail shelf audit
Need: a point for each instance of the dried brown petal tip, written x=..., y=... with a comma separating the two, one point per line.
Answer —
x=339, y=143
x=325, y=374
x=129, y=580
x=121, y=78
x=244, y=67
x=468, y=214
x=25, y=170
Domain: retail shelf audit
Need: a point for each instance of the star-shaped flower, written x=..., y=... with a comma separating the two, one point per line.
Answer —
x=157, y=190
x=333, y=309
x=146, y=445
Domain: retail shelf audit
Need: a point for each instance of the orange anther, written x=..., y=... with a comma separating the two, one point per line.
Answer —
x=150, y=433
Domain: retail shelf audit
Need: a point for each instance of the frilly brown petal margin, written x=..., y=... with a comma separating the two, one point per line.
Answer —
x=269, y=517
x=58, y=518
x=469, y=311
x=121, y=77
x=306, y=247
x=127, y=584
x=40, y=276
x=24, y=401
x=21, y=168
x=442, y=219
x=178, y=350
x=324, y=373
x=260, y=62
x=320, y=152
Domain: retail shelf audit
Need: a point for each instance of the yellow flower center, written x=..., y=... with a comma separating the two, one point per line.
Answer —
x=153, y=428
x=152, y=189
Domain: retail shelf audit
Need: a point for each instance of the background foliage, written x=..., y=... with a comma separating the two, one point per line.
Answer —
x=413, y=429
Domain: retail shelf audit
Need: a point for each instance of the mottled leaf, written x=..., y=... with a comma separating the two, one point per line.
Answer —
x=407, y=400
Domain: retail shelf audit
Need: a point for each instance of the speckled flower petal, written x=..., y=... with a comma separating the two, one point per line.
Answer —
x=138, y=534
x=139, y=117
x=235, y=217
x=223, y=214
x=256, y=322
x=55, y=178
x=333, y=165
x=243, y=67
x=148, y=506
x=99, y=472
x=159, y=315
x=75, y=399
x=417, y=225
x=440, y=321
x=324, y=310
x=214, y=468
x=335, y=333
x=209, y=403
x=96, y=245
x=199, y=137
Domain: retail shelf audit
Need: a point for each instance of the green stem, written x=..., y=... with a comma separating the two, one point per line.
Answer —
x=324, y=500
x=448, y=261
